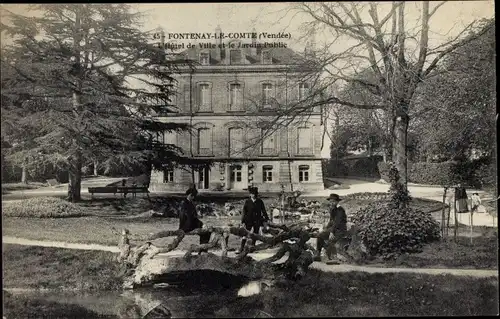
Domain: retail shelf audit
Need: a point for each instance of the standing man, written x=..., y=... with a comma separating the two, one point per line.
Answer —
x=254, y=214
x=336, y=228
x=188, y=216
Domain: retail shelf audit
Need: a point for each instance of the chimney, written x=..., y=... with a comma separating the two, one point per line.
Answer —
x=313, y=45
x=307, y=49
x=253, y=49
x=218, y=49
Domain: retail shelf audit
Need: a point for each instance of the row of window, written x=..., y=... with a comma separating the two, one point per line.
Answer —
x=236, y=57
x=237, y=143
x=236, y=96
x=236, y=174
x=204, y=141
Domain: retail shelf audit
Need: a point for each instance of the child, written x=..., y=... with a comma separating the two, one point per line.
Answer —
x=476, y=201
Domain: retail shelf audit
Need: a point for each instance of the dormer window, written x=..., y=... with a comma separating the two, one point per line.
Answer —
x=235, y=56
x=266, y=57
x=204, y=58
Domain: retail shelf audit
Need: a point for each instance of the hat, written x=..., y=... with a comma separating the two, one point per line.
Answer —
x=334, y=197
x=253, y=190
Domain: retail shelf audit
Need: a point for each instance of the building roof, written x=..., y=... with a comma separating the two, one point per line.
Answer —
x=279, y=55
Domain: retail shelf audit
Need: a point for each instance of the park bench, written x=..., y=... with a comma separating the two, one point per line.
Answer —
x=103, y=190
x=134, y=190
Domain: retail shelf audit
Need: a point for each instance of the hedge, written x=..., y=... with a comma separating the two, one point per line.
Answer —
x=332, y=168
x=362, y=167
x=475, y=173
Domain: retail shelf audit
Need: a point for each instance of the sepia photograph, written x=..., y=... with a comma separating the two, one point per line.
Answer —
x=249, y=160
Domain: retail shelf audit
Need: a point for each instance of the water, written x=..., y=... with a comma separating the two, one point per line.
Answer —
x=206, y=294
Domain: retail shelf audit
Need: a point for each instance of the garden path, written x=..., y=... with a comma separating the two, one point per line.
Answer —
x=478, y=273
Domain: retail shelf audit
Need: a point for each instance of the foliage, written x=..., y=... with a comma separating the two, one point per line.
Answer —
x=455, y=109
x=486, y=175
x=383, y=170
x=365, y=167
x=380, y=43
x=388, y=231
x=333, y=168
x=66, y=97
x=433, y=173
x=366, y=195
x=393, y=228
x=474, y=173
x=205, y=209
x=41, y=207
x=358, y=129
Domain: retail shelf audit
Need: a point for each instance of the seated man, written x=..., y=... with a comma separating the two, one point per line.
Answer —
x=335, y=230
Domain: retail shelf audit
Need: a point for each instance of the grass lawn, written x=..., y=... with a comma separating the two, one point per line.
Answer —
x=376, y=295
x=54, y=268
x=111, y=213
x=98, y=230
x=21, y=307
x=481, y=254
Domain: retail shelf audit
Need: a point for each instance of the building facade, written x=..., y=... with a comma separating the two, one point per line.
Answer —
x=240, y=104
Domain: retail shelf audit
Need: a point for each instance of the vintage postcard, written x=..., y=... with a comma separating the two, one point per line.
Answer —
x=284, y=159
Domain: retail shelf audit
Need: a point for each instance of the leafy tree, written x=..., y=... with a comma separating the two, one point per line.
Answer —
x=381, y=42
x=455, y=111
x=73, y=82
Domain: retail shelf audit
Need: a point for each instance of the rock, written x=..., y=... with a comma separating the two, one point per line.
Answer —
x=162, y=268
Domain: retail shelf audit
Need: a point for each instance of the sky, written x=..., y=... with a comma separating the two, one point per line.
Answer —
x=276, y=17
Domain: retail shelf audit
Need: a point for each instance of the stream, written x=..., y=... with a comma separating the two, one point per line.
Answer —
x=206, y=294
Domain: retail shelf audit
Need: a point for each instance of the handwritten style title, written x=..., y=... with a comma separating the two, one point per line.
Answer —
x=221, y=35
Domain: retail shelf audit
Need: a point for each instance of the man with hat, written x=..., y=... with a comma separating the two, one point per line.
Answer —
x=188, y=216
x=337, y=226
x=254, y=214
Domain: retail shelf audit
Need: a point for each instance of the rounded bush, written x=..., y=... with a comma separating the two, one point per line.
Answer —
x=389, y=232
x=41, y=207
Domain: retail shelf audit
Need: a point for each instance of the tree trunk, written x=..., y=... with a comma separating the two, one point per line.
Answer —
x=24, y=179
x=96, y=164
x=75, y=160
x=75, y=178
x=399, y=150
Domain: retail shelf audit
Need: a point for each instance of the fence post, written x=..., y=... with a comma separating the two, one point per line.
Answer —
x=443, y=218
x=455, y=215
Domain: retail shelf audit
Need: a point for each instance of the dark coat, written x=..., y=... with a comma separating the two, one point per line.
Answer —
x=188, y=217
x=254, y=213
x=460, y=193
x=338, y=220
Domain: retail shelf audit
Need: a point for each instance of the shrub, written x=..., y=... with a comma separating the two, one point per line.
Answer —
x=366, y=167
x=389, y=232
x=444, y=173
x=367, y=195
x=486, y=175
x=332, y=168
x=41, y=207
x=392, y=228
